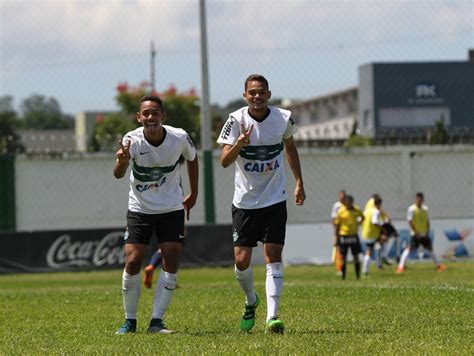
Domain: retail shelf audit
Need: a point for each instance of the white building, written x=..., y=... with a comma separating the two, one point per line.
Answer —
x=326, y=117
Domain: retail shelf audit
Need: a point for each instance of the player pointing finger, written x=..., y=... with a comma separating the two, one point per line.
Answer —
x=244, y=138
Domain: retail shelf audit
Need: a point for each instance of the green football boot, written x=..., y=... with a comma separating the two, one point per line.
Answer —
x=248, y=317
x=275, y=326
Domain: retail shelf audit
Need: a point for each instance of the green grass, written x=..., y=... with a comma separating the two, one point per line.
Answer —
x=420, y=311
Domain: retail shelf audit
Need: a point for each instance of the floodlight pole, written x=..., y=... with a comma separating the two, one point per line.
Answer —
x=152, y=66
x=206, y=133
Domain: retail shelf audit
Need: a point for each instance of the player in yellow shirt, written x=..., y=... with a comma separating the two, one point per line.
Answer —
x=336, y=255
x=372, y=229
x=346, y=226
x=387, y=230
x=419, y=229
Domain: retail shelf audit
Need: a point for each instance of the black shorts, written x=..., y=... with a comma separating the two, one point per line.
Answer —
x=425, y=241
x=168, y=227
x=389, y=230
x=267, y=225
x=349, y=242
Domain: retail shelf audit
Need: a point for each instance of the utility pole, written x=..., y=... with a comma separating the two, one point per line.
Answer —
x=152, y=66
x=206, y=135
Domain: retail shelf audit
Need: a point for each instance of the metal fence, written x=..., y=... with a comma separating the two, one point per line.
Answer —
x=79, y=51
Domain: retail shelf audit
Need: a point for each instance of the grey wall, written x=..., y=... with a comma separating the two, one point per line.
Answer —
x=81, y=192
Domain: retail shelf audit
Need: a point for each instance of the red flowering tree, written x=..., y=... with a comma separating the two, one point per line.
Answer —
x=181, y=109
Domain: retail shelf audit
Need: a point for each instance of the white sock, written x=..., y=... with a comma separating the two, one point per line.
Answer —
x=163, y=293
x=403, y=258
x=245, y=279
x=377, y=253
x=366, y=264
x=130, y=294
x=433, y=256
x=273, y=287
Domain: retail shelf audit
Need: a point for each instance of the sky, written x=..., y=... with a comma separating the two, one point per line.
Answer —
x=79, y=51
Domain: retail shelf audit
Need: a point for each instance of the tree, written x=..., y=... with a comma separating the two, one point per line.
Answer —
x=43, y=113
x=439, y=135
x=111, y=130
x=9, y=139
x=180, y=107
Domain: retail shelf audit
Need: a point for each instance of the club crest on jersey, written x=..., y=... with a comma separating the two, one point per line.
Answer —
x=261, y=153
x=156, y=174
x=261, y=167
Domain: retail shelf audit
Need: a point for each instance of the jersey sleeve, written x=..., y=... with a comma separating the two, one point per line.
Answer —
x=334, y=210
x=230, y=132
x=189, y=150
x=291, y=129
x=410, y=214
x=377, y=218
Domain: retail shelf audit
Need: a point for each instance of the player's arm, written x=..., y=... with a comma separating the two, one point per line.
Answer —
x=230, y=152
x=123, y=159
x=193, y=176
x=295, y=166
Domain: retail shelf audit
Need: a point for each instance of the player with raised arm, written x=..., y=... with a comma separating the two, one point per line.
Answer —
x=256, y=137
x=156, y=204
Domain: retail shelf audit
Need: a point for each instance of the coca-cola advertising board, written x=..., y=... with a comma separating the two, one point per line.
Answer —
x=47, y=251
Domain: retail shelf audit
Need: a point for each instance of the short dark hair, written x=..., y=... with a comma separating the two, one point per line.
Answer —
x=377, y=199
x=256, y=78
x=349, y=198
x=420, y=195
x=153, y=98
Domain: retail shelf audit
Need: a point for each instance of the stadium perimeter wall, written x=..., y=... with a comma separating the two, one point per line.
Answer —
x=73, y=193
x=77, y=192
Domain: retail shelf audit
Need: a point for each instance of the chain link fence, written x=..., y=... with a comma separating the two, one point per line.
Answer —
x=81, y=192
x=78, y=52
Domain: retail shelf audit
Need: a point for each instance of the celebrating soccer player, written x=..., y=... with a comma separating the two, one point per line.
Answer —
x=255, y=137
x=155, y=204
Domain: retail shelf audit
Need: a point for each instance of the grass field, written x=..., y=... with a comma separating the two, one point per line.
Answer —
x=420, y=311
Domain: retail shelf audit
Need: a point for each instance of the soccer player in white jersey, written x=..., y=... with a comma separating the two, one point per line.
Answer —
x=256, y=137
x=156, y=204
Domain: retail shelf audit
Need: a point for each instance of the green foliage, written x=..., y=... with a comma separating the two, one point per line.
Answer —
x=358, y=141
x=182, y=111
x=9, y=139
x=43, y=113
x=420, y=312
x=180, y=107
x=111, y=130
x=439, y=135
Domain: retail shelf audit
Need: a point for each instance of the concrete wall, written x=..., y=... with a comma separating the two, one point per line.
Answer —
x=79, y=192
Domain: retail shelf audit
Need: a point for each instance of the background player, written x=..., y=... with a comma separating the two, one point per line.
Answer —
x=419, y=222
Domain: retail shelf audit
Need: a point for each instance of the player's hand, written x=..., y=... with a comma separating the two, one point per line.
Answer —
x=123, y=153
x=300, y=195
x=244, y=138
x=188, y=203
